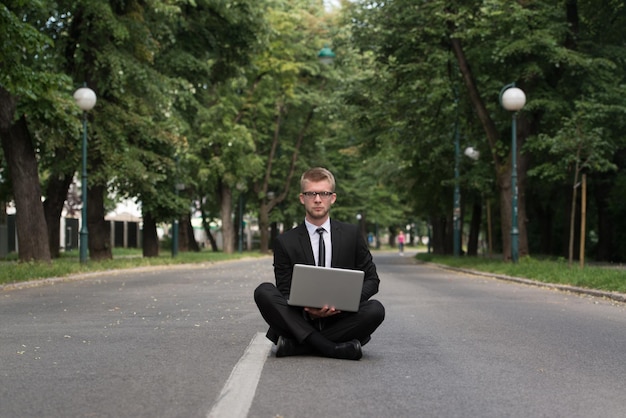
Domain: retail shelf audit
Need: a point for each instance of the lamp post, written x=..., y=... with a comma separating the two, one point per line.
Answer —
x=457, y=224
x=456, y=215
x=513, y=99
x=86, y=100
x=241, y=187
x=240, y=223
x=360, y=219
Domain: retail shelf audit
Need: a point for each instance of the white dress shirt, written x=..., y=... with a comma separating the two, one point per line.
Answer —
x=315, y=240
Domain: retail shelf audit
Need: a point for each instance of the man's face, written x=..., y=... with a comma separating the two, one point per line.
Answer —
x=317, y=206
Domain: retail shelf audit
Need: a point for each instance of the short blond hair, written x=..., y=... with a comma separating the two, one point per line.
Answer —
x=317, y=174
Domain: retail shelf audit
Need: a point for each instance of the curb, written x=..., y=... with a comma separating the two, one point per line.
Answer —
x=87, y=275
x=92, y=274
x=616, y=296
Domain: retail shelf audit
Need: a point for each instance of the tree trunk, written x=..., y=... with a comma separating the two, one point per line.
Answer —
x=226, y=210
x=438, y=239
x=212, y=241
x=472, y=242
x=19, y=153
x=273, y=235
x=392, y=236
x=150, y=236
x=264, y=224
x=506, y=211
x=192, y=244
x=207, y=230
x=99, y=229
x=239, y=237
x=56, y=194
x=270, y=200
x=186, y=239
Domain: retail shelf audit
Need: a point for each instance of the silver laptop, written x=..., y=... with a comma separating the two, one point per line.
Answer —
x=316, y=287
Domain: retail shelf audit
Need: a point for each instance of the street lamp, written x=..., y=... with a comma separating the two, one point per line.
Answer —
x=360, y=219
x=456, y=214
x=472, y=153
x=86, y=100
x=326, y=55
x=513, y=99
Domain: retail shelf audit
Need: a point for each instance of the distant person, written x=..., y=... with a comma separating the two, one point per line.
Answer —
x=401, y=238
x=326, y=331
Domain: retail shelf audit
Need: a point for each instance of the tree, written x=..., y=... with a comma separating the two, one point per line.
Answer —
x=276, y=108
x=28, y=94
x=579, y=146
x=112, y=47
x=424, y=50
x=215, y=42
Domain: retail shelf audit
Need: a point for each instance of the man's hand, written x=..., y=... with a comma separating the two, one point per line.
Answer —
x=324, y=312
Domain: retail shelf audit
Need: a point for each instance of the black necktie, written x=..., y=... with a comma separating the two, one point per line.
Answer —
x=321, y=254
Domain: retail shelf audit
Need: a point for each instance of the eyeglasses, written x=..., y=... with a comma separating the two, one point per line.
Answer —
x=323, y=195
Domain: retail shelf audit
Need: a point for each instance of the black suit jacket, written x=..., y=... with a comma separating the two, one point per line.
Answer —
x=349, y=251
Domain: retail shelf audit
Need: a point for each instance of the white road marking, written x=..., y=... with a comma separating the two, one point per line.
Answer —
x=238, y=392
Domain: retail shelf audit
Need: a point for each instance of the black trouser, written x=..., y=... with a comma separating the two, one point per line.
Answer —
x=290, y=322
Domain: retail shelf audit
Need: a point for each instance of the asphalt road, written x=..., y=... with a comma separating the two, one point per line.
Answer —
x=164, y=342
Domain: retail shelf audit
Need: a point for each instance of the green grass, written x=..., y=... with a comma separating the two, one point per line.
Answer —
x=607, y=278
x=68, y=264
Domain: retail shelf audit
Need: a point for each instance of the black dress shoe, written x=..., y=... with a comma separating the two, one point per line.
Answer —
x=285, y=347
x=349, y=351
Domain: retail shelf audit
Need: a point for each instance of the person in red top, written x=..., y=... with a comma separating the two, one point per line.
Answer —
x=401, y=239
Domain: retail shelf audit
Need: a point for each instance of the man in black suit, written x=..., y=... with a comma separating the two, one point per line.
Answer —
x=324, y=331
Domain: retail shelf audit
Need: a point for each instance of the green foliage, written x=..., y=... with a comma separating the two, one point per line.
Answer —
x=69, y=267
x=607, y=278
x=406, y=120
x=578, y=145
x=403, y=102
x=209, y=93
x=24, y=49
x=209, y=45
